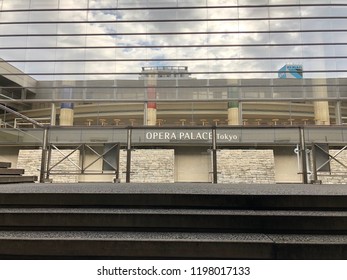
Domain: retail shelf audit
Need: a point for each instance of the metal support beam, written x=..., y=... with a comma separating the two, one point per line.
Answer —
x=128, y=168
x=303, y=155
x=314, y=163
x=332, y=157
x=44, y=155
x=49, y=158
x=214, y=155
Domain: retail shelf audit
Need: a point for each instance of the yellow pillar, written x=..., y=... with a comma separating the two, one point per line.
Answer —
x=321, y=108
x=66, y=114
x=321, y=112
x=233, y=116
x=151, y=116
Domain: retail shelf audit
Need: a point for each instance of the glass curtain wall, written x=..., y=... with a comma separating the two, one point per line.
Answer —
x=253, y=55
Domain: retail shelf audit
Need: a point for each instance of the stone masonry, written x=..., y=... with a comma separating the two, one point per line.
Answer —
x=246, y=166
x=338, y=172
x=157, y=166
x=149, y=166
x=30, y=160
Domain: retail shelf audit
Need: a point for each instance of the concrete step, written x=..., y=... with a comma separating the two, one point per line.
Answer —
x=144, y=245
x=200, y=220
x=11, y=171
x=68, y=244
x=5, y=164
x=11, y=179
x=173, y=221
x=171, y=200
x=198, y=196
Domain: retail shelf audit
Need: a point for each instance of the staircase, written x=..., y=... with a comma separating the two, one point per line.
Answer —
x=173, y=221
x=11, y=175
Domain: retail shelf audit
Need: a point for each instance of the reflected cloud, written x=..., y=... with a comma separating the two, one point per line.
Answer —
x=245, y=42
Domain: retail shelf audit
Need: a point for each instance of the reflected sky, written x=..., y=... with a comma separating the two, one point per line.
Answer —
x=208, y=36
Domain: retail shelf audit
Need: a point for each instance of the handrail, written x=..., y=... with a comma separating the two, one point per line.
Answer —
x=9, y=110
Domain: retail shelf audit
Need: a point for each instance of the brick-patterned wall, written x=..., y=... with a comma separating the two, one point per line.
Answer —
x=338, y=171
x=246, y=166
x=157, y=165
x=30, y=160
x=149, y=166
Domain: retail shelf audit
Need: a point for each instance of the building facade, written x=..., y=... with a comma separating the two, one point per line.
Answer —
x=209, y=91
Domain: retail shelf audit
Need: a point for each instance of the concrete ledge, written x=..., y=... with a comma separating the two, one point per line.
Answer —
x=135, y=245
x=204, y=201
x=17, y=179
x=175, y=220
x=115, y=245
x=11, y=171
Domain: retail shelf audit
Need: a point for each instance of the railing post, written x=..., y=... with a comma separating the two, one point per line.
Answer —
x=128, y=168
x=44, y=155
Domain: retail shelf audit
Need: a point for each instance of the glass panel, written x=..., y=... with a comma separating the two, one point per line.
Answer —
x=87, y=135
x=289, y=135
x=15, y=4
x=11, y=136
x=224, y=13
x=285, y=25
x=42, y=28
x=15, y=17
x=257, y=135
x=315, y=24
x=43, y=4
x=61, y=136
x=70, y=4
x=245, y=13
x=197, y=3
x=42, y=41
x=253, y=2
x=322, y=135
x=214, y=2
x=249, y=26
x=321, y=37
x=316, y=1
x=283, y=2
x=161, y=3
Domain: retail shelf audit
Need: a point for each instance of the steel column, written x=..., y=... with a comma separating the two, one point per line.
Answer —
x=303, y=155
x=314, y=163
x=214, y=155
x=128, y=168
x=44, y=155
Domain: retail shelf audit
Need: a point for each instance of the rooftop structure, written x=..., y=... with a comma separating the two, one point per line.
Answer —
x=165, y=72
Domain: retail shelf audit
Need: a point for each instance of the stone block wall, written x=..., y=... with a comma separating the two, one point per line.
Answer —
x=149, y=166
x=158, y=166
x=30, y=160
x=338, y=171
x=246, y=166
